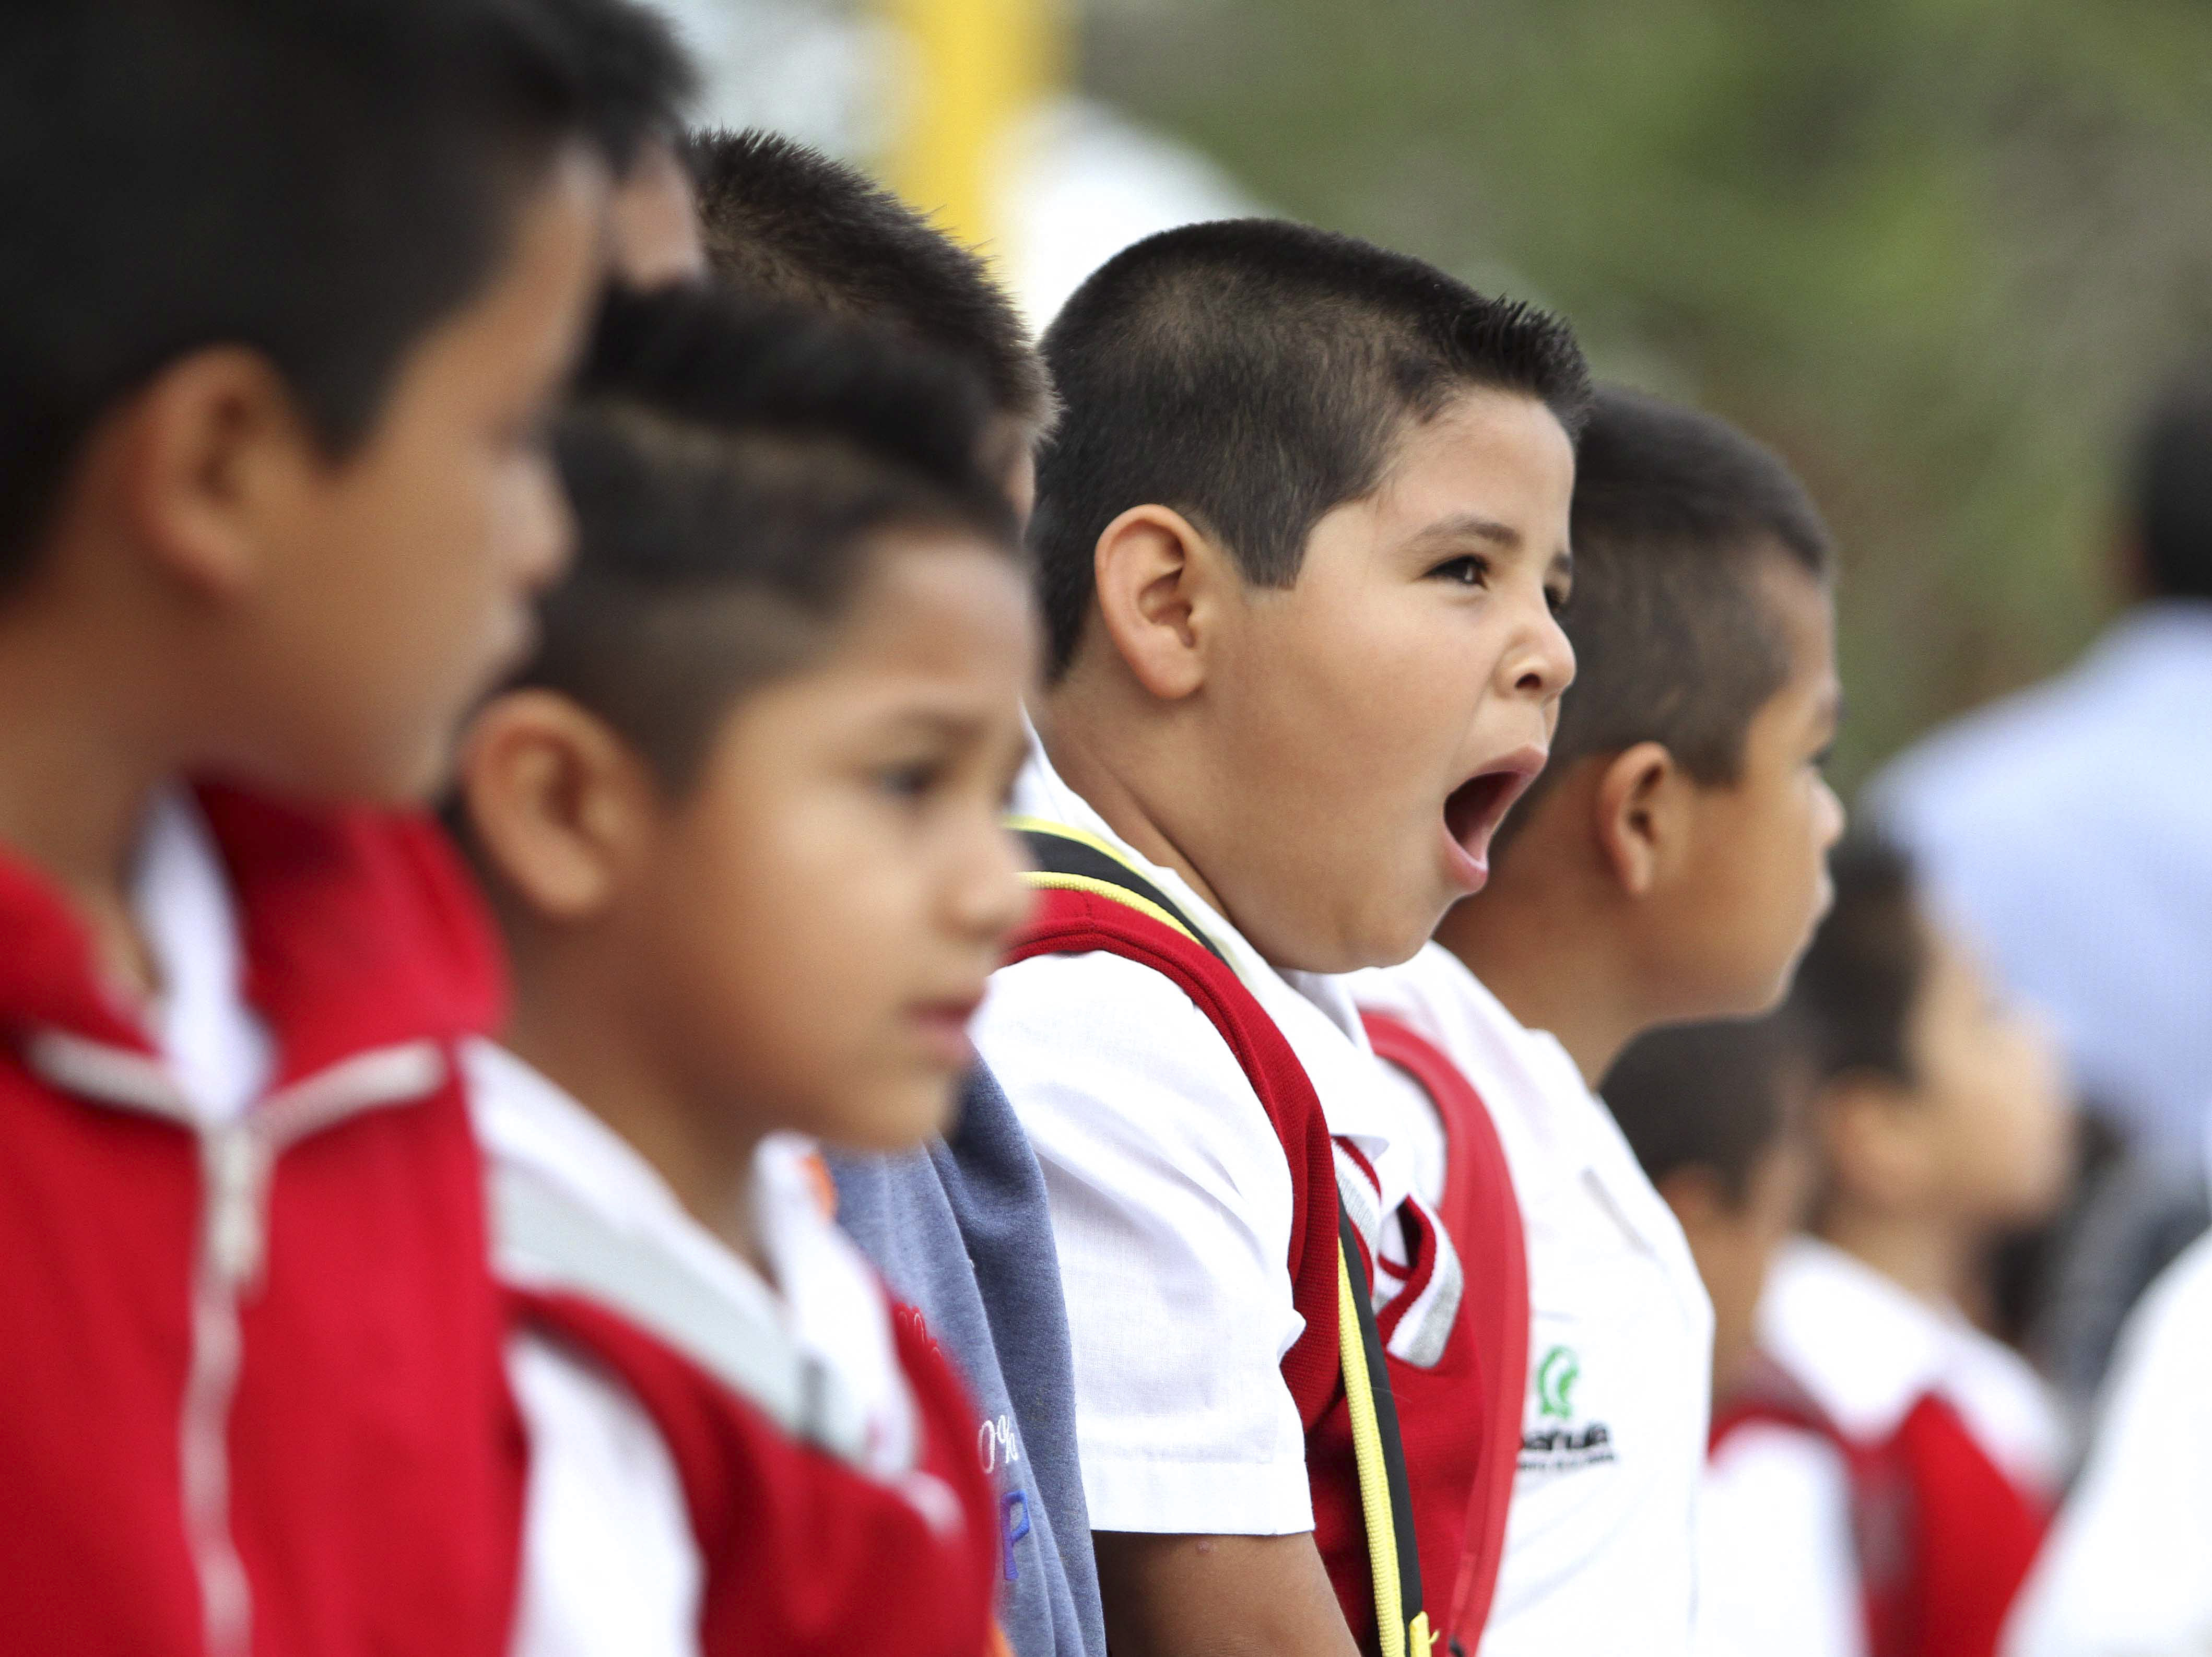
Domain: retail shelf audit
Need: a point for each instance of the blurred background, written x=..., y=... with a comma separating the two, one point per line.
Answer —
x=1937, y=250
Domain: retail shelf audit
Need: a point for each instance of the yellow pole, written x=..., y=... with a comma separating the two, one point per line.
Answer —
x=978, y=66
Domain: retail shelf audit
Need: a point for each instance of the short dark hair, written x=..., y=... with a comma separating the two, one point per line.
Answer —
x=1677, y=515
x=637, y=76
x=1252, y=375
x=1859, y=981
x=734, y=470
x=2172, y=487
x=784, y=221
x=1716, y=1096
x=321, y=182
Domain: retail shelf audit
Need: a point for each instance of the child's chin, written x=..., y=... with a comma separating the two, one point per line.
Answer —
x=921, y=1110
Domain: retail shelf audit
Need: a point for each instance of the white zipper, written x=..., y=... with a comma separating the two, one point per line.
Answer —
x=236, y=1161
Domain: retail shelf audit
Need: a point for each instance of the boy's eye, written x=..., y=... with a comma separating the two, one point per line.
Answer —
x=1468, y=571
x=1557, y=598
x=909, y=781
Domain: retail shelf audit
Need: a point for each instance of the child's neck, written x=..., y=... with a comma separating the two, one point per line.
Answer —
x=1930, y=1257
x=1551, y=973
x=1084, y=762
x=571, y=1028
x=82, y=752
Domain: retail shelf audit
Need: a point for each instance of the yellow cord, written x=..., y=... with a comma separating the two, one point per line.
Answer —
x=1373, y=1475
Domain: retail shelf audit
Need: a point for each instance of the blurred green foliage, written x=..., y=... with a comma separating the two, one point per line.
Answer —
x=1937, y=251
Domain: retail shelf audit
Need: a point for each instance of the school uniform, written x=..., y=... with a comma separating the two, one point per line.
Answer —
x=719, y=1464
x=1953, y=1447
x=1205, y=1125
x=1600, y=1536
x=2125, y=1571
x=254, y=1398
x=961, y=1233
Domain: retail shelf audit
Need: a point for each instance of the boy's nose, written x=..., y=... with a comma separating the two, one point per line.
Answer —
x=1833, y=815
x=990, y=898
x=1545, y=665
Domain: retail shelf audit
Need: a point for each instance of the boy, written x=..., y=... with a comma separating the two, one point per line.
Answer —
x=1667, y=866
x=739, y=819
x=959, y=1229
x=783, y=220
x=1716, y=1113
x=285, y=293
x=1940, y=1120
x=1299, y=534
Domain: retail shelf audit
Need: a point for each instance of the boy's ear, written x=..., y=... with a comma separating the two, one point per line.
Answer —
x=211, y=456
x=560, y=806
x=1640, y=813
x=1153, y=571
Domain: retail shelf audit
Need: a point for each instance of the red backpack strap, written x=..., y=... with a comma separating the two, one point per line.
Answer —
x=1885, y=1520
x=1976, y=1534
x=1483, y=1215
x=1093, y=901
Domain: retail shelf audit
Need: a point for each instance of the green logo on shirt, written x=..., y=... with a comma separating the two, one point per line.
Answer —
x=1556, y=1374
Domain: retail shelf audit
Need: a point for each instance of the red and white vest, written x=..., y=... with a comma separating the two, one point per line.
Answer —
x=1434, y=1373
x=254, y=1399
x=807, y=1546
x=1945, y=1523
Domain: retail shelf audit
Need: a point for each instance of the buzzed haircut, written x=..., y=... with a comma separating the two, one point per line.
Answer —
x=787, y=221
x=1677, y=518
x=2172, y=487
x=1862, y=975
x=1717, y=1096
x=1252, y=375
x=320, y=182
x=734, y=470
x=636, y=76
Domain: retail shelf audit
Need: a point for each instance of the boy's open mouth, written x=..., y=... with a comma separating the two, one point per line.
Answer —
x=1475, y=809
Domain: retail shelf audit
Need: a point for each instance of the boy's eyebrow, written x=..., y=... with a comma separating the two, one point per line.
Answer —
x=1468, y=526
x=956, y=722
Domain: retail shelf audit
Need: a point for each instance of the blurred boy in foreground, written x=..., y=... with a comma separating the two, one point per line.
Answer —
x=959, y=1227
x=286, y=296
x=739, y=820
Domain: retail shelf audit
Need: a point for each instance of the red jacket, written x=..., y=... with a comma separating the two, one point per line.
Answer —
x=1435, y=1375
x=254, y=1398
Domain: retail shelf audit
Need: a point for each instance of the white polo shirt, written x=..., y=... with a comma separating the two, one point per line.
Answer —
x=609, y=1564
x=2128, y=1570
x=1600, y=1537
x=1171, y=1199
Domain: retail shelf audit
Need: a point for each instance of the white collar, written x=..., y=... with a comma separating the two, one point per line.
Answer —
x=825, y=1296
x=1314, y=1011
x=217, y=1047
